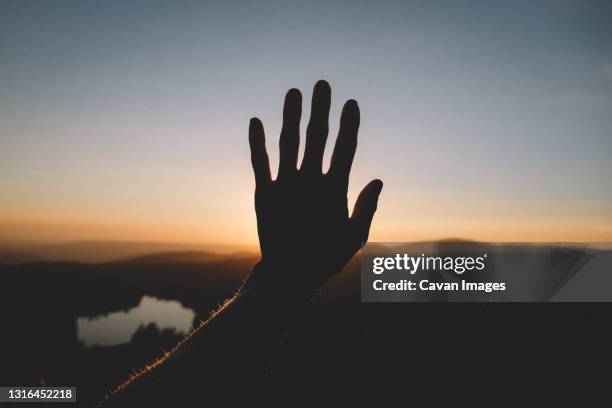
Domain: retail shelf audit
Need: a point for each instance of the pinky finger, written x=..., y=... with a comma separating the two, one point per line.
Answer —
x=259, y=156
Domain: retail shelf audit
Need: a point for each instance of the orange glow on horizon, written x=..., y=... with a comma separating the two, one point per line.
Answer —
x=242, y=231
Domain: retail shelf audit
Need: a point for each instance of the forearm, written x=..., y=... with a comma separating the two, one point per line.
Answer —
x=230, y=351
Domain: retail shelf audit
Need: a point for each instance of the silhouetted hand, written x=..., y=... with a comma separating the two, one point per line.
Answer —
x=305, y=232
x=306, y=237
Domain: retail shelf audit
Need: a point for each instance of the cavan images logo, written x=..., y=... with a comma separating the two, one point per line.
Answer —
x=426, y=263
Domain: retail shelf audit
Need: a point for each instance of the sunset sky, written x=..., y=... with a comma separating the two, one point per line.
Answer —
x=122, y=120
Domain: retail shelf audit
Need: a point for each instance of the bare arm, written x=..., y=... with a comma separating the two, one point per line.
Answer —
x=306, y=237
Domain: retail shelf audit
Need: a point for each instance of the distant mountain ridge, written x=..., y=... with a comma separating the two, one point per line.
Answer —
x=174, y=257
x=11, y=257
x=111, y=251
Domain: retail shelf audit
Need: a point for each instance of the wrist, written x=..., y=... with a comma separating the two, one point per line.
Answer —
x=275, y=284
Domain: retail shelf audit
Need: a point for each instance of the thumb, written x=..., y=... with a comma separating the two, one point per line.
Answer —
x=364, y=210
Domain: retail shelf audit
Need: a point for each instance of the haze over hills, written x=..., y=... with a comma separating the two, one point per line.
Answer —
x=188, y=257
x=91, y=251
x=109, y=251
x=9, y=256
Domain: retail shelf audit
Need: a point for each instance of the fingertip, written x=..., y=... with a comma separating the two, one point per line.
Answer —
x=322, y=85
x=255, y=130
x=377, y=185
x=351, y=107
x=255, y=125
x=374, y=187
x=294, y=93
x=322, y=91
x=292, y=109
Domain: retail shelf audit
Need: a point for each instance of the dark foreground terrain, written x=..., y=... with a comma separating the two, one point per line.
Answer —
x=340, y=353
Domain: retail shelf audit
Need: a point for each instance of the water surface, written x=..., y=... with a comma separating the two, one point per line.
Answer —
x=118, y=327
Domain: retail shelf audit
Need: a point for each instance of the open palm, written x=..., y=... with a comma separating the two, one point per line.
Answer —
x=305, y=232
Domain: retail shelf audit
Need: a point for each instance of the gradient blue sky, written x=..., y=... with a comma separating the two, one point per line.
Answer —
x=128, y=120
